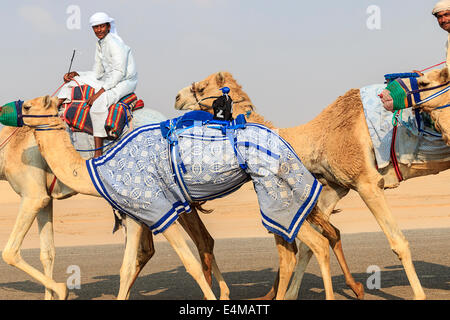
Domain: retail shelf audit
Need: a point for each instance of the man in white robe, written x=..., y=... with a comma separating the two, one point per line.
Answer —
x=113, y=76
x=442, y=13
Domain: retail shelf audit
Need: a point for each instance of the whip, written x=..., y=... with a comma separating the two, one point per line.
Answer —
x=71, y=60
x=70, y=67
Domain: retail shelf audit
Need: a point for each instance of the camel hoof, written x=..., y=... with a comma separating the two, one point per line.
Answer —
x=49, y=295
x=420, y=297
x=358, y=290
x=269, y=296
x=263, y=298
x=61, y=291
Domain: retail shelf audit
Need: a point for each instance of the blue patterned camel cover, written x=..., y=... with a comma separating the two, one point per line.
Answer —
x=155, y=171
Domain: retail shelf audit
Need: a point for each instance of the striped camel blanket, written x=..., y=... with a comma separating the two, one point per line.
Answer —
x=156, y=171
x=76, y=113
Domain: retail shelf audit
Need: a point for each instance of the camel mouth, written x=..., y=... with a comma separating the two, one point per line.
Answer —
x=11, y=114
x=184, y=106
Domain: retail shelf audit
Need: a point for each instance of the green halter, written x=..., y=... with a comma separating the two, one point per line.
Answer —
x=398, y=94
x=11, y=114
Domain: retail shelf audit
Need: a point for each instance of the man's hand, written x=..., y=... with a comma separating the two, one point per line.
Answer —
x=92, y=99
x=69, y=76
x=387, y=101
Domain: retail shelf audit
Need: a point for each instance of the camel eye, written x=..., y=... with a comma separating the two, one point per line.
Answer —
x=423, y=83
x=26, y=107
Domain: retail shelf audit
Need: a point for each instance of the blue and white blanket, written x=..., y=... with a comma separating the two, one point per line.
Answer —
x=417, y=141
x=157, y=170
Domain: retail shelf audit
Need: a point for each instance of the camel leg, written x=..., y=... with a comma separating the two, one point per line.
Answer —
x=374, y=198
x=304, y=256
x=319, y=245
x=272, y=293
x=11, y=253
x=138, y=251
x=334, y=237
x=330, y=196
x=195, y=228
x=193, y=267
x=146, y=251
x=47, y=242
x=286, y=253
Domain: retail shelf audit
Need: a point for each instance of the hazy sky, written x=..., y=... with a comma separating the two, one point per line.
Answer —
x=292, y=57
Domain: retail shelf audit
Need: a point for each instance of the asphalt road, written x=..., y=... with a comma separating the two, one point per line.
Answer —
x=249, y=267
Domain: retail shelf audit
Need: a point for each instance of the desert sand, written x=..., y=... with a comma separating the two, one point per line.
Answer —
x=82, y=220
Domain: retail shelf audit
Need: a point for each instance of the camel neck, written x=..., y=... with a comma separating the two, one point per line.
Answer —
x=300, y=137
x=64, y=160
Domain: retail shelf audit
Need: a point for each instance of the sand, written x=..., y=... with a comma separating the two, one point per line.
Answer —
x=82, y=220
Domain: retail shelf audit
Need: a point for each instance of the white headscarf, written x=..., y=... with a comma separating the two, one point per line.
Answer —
x=101, y=18
x=442, y=5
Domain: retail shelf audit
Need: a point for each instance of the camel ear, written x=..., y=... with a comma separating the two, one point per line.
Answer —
x=220, y=79
x=54, y=100
x=444, y=75
x=46, y=101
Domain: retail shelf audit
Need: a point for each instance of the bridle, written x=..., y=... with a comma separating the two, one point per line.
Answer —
x=415, y=92
x=41, y=127
x=199, y=102
x=203, y=106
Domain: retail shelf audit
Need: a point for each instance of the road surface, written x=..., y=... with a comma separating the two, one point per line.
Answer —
x=249, y=267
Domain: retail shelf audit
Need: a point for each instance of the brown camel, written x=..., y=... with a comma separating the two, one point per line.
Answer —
x=336, y=147
x=29, y=175
x=71, y=169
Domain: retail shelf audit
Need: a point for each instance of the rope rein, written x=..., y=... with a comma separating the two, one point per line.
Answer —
x=436, y=65
x=5, y=142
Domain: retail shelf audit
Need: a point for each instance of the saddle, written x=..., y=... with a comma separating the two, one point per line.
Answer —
x=77, y=116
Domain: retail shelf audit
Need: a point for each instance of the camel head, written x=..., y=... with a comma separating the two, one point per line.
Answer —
x=200, y=95
x=40, y=111
x=429, y=93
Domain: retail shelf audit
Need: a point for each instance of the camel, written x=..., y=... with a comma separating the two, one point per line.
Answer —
x=31, y=178
x=29, y=175
x=73, y=171
x=320, y=144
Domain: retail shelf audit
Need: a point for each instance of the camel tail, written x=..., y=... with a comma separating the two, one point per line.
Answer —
x=198, y=206
x=336, y=211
